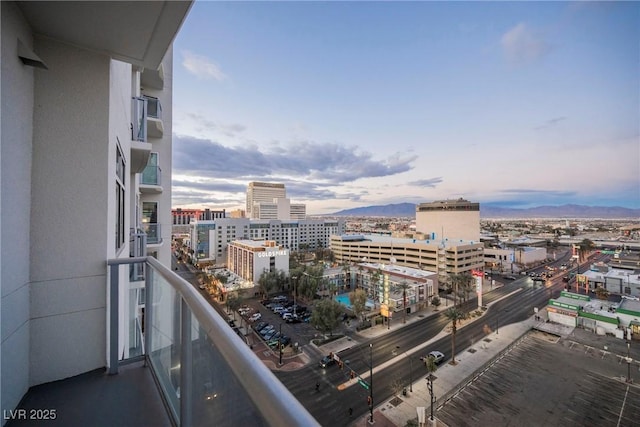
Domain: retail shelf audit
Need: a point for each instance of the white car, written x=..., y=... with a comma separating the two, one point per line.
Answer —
x=255, y=316
x=437, y=357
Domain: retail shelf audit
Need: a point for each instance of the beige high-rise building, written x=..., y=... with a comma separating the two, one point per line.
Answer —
x=453, y=220
x=263, y=192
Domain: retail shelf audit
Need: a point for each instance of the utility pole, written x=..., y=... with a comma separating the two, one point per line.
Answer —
x=370, y=383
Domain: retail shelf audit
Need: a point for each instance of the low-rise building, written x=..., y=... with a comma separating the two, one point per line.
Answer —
x=248, y=259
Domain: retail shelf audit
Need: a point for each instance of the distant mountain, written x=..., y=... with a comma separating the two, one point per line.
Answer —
x=490, y=211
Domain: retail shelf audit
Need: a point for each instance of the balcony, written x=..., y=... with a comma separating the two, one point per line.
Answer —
x=182, y=365
x=150, y=180
x=155, y=126
x=152, y=230
x=153, y=78
x=140, y=148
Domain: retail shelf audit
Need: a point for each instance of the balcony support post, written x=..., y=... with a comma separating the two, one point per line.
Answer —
x=148, y=310
x=113, y=319
x=186, y=367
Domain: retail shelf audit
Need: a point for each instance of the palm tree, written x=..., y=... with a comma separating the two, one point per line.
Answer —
x=346, y=269
x=403, y=286
x=454, y=315
x=585, y=247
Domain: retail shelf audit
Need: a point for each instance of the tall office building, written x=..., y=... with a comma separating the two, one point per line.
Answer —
x=263, y=192
x=86, y=159
x=449, y=220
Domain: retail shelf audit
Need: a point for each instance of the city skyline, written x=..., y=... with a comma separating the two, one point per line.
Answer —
x=357, y=104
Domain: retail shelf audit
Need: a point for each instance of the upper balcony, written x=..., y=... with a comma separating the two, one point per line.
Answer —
x=140, y=148
x=155, y=126
x=151, y=180
x=151, y=78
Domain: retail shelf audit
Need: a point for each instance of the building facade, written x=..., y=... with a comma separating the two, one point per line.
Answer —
x=78, y=132
x=443, y=258
x=248, y=259
x=263, y=192
x=449, y=219
x=209, y=240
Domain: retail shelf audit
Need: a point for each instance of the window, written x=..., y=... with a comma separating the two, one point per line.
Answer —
x=120, y=196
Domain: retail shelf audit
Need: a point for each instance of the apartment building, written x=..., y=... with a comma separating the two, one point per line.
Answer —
x=442, y=257
x=86, y=159
x=259, y=192
x=209, y=240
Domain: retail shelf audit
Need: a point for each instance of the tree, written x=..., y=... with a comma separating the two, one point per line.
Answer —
x=397, y=386
x=467, y=283
x=358, y=300
x=326, y=315
x=270, y=281
x=403, y=286
x=585, y=247
x=375, y=281
x=602, y=293
x=346, y=270
x=435, y=301
x=454, y=315
x=233, y=303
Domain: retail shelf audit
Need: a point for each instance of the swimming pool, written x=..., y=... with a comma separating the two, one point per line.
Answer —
x=344, y=300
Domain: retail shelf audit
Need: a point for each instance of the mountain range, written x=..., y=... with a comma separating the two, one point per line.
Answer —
x=492, y=211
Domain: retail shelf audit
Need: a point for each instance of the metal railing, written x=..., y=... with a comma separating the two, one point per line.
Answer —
x=205, y=372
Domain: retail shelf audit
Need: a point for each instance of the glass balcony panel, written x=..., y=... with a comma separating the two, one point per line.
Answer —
x=154, y=108
x=153, y=232
x=217, y=397
x=139, y=119
x=151, y=176
x=164, y=353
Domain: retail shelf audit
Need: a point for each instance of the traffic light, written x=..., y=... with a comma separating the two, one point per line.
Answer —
x=352, y=375
x=369, y=401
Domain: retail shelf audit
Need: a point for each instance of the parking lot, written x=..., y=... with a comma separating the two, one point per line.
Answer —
x=298, y=332
x=549, y=381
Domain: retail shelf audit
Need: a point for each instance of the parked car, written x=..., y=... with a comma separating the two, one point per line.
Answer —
x=259, y=326
x=327, y=361
x=437, y=357
x=255, y=316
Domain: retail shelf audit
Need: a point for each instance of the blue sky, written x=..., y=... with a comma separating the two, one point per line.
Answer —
x=351, y=104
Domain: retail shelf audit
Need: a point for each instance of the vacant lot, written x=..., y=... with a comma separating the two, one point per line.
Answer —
x=549, y=382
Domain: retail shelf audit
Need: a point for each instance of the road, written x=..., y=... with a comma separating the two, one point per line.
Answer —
x=511, y=303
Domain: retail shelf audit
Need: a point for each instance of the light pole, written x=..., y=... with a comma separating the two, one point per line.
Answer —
x=370, y=383
x=497, y=321
x=280, y=343
x=295, y=289
x=430, y=379
x=629, y=362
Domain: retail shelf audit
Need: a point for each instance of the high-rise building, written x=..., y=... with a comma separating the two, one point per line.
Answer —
x=86, y=157
x=263, y=192
x=453, y=220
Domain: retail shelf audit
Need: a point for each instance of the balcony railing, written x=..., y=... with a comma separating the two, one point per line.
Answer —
x=152, y=230
x=205, y=372
x=151, y=175
x=139, y=119
x=154, y=107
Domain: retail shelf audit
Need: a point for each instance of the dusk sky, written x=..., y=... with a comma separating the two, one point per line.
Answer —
x=350, y=104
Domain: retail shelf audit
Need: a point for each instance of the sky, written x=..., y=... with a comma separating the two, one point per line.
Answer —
x=350, y=104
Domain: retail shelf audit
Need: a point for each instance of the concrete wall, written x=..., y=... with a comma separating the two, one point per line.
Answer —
x=70, y=212
x=451, y=225
x=15, y=206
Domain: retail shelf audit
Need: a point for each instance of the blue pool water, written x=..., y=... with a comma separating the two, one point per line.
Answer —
x=344, y=300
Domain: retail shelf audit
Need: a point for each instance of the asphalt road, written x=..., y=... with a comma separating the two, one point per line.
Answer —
x=330, y=405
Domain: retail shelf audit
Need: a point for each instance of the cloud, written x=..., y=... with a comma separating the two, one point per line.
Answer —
x=431, y=182
x=204, y=124
x=305, y=161
x=522, y=46
x=550, y=123
x=201, y=66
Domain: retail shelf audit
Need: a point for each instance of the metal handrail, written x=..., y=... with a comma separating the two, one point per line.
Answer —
x=272, y=399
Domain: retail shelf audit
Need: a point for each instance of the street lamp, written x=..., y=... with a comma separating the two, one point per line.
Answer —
x=280, y=343
x=370, y=383
x=430, y=379
x=629, y=380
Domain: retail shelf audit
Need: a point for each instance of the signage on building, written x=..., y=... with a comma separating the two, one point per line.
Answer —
x=563, y=312
x=271, y=254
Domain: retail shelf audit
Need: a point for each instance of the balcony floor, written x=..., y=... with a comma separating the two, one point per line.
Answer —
x=130, y=398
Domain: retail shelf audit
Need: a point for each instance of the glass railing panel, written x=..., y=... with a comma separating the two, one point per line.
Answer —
x=216, y=393
x=164, y=351
x=153, y=232
x=151, y=175
x=154, y=108
x=139, y=119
